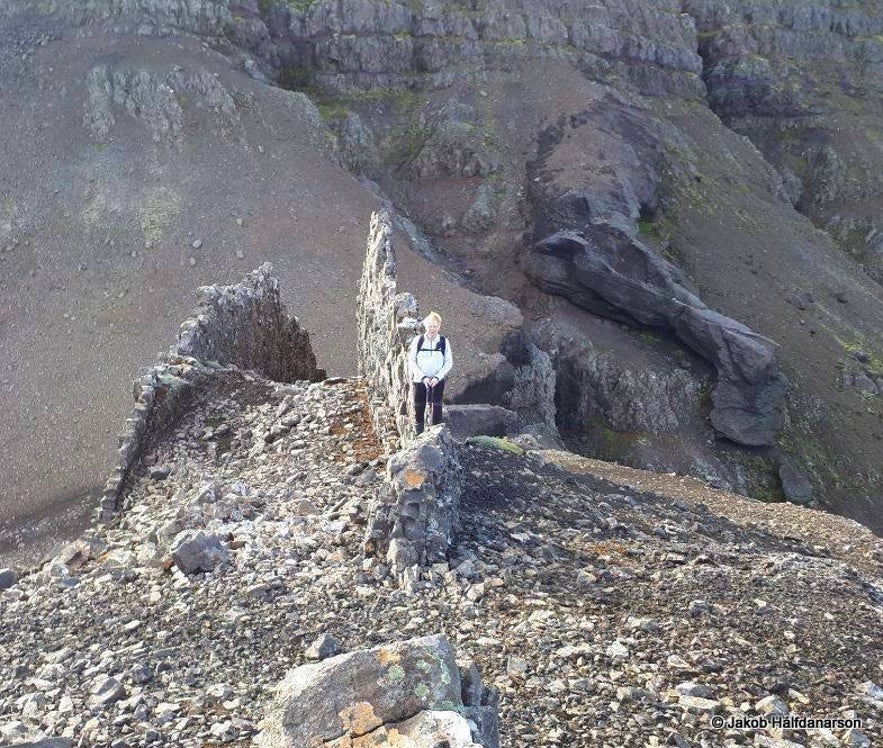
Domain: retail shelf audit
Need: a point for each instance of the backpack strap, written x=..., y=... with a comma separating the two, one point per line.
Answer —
x=440, y=349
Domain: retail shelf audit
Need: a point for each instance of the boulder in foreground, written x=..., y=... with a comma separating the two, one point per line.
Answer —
x=408, y=693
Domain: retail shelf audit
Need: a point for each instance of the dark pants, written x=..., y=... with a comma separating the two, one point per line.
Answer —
x=420, y=398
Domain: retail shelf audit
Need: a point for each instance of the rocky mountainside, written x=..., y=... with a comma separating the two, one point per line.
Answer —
x=257, y=526
x=673, y=206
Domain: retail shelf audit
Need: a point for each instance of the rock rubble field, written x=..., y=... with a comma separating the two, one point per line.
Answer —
x=597, y=613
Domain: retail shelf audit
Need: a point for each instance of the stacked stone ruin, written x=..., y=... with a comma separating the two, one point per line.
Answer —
x=243, y=326
x=411, y=524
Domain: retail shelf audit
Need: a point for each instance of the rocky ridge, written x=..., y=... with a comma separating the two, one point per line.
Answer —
x=606, y=605
x=568, y=592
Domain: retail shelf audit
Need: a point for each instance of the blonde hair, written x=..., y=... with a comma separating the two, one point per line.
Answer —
x=432, y=317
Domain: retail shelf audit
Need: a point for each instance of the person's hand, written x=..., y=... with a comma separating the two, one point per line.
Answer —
x=433, y=382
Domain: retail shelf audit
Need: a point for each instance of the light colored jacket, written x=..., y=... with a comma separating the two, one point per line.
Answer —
x=429, y=361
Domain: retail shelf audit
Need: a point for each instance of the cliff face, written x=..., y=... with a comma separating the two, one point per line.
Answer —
x=721, y=155
x=803, y=82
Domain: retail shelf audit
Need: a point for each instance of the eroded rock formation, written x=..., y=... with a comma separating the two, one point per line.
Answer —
x=605, y=270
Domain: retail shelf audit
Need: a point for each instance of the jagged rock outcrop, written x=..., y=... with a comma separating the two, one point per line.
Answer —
x=398, y=43
x=592, y=386
x=241, y=326
x=246, y=325
x=614, y=274
x=155, y=100
x=412, y=694
x=395, y=44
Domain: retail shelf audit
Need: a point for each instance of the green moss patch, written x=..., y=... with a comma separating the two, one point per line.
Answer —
x=494, y=442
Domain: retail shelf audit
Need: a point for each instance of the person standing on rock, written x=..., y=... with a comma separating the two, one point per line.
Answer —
x=430, y=360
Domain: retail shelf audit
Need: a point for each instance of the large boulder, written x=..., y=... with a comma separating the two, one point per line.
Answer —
x=471, y=420
x=410, y=692
x=426, y=729
x=7, y=578
x=195, y=550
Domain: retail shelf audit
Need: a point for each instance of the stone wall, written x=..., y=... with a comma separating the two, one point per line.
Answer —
x=161, y=394
x=418, y=507
x=413, y=522
x=387, y=322
x=243, y=326
x=247, y=325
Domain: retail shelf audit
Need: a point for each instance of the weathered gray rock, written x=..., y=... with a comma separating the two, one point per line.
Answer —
x=481, y=215
x=397, y=44
x=419, y=507
x=769, y=72
x=349, y=696
x=247, y=325
x=795, y=483
x=7, y=578
x=243, y=325
x=533, y=391
x=358, y=149
x=322, y=648
x=105, y=691
x=427, y=729
x=195, y=550
x=451, y=148
x=155, y=100
x=598, y=386
x=387, y=321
